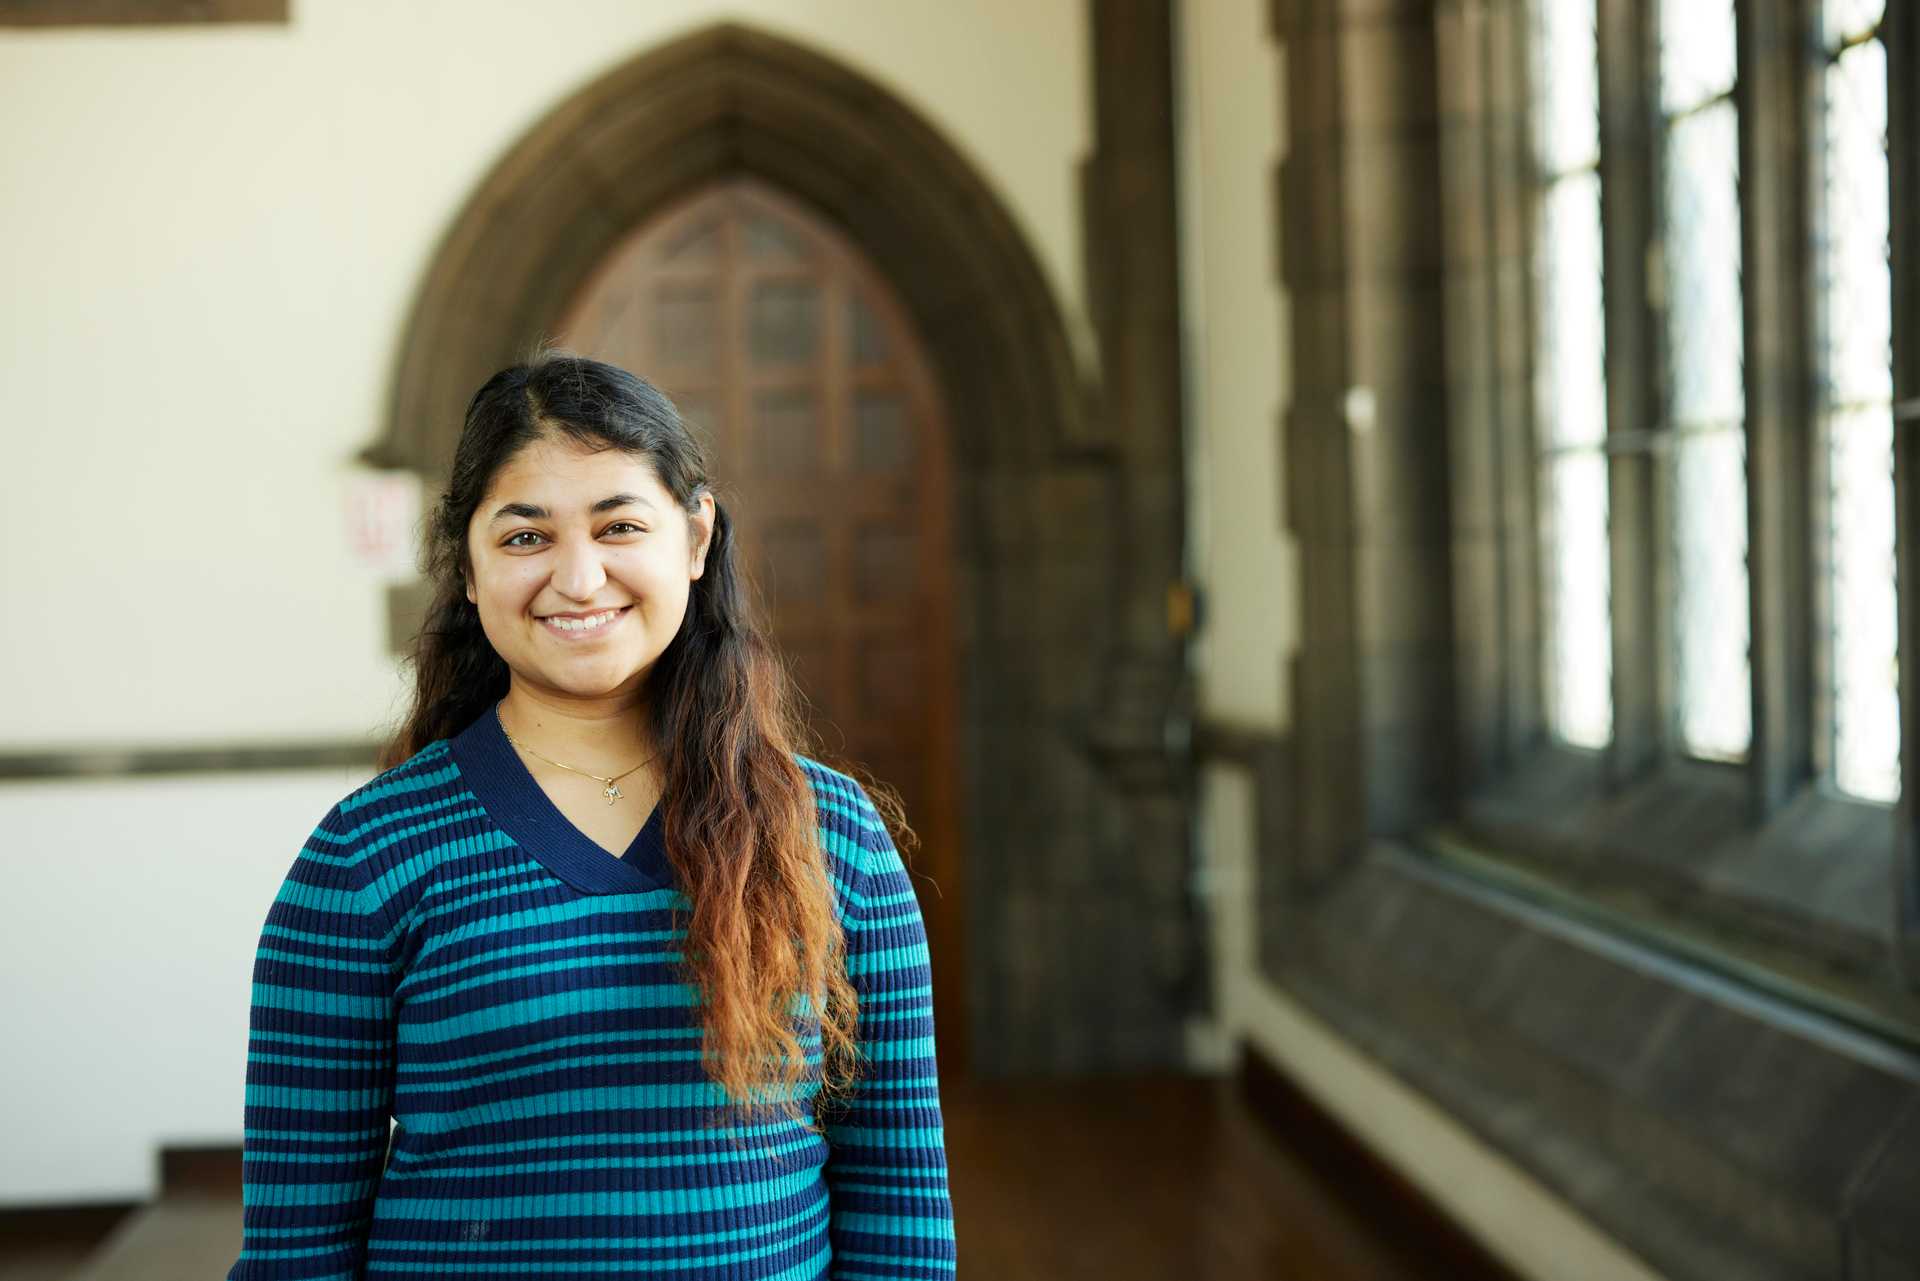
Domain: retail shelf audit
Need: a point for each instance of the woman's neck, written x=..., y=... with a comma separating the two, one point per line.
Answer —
x=602, y=735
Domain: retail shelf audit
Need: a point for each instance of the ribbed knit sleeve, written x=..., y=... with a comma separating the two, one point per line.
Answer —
x=887, y=1168
x=320, y=1069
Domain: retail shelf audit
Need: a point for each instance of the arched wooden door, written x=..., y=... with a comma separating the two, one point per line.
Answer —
x=787, y=350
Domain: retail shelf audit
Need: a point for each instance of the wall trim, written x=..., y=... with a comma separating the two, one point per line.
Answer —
x=123, y=13
x=185, y=758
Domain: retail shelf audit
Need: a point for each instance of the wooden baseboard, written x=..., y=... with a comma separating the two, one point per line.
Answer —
x=209, y=1172
x=24, y=1229
x=200, y=1172
x=1404, y=1215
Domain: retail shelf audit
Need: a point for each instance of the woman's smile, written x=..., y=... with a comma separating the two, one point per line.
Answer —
x=591, y=627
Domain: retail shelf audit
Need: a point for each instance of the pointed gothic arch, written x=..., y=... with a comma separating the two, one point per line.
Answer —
x=724, y=100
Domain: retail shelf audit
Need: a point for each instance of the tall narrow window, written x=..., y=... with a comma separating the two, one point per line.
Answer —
x=1571, y=394
x=1705, y=396
x=1860, y=631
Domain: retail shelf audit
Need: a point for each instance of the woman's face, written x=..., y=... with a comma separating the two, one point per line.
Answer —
x=566, y=536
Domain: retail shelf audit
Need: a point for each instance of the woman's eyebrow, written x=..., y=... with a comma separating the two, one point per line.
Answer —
x=533, y=511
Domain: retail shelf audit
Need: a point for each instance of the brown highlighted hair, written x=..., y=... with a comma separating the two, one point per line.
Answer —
x=738, y=811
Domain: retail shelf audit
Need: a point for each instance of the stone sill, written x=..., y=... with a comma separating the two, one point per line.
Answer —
x=1803, y=902
x=1710, y=1126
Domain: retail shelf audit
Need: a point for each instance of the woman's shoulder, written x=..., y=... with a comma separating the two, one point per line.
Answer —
x=847, y=815
x=372, y=830
x=836, y=790
x=423, y=781
x=427, y=775
x=825, y=779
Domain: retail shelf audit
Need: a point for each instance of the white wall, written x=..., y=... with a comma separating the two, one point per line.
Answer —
x=209, y=243
x=1232, y=134
x=126, y=939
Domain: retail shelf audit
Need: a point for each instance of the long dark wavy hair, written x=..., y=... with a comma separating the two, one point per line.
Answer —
x=738, y=812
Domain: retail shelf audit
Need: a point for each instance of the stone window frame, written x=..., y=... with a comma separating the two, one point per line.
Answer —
x=1754, y=868
x=1677, y=1087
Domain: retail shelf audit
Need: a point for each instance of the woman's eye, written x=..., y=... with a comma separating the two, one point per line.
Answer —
x=528, y=533
x=613, y=528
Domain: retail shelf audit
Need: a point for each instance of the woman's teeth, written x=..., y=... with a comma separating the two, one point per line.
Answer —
x=590, y=623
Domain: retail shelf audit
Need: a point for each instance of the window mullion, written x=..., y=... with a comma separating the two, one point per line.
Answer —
x=1902, y=31
x=1627, y=170
x=1776, y=132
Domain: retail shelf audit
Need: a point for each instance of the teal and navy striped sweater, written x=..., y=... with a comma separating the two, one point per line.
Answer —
x=448, y=950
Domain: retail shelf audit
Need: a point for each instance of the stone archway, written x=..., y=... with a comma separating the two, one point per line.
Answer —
x=725, y=100
x=1065, y=520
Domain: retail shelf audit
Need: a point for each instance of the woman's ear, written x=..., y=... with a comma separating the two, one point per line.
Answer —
x=701, y=523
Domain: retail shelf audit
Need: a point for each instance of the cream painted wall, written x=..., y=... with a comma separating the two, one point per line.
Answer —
x=1232, y=134
x=210, y=240
x=1236, y=360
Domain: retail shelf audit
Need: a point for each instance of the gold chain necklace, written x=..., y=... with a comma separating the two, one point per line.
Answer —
x=612, y=789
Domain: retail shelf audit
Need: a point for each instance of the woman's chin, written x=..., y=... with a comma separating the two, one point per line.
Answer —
x=589, y=679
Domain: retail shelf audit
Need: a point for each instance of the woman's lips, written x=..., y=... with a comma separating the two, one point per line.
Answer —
x=579, y=634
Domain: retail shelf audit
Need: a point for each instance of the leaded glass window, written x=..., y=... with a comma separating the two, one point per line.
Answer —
x=1860, y=629
x=1705, y=401
x=1571, y=365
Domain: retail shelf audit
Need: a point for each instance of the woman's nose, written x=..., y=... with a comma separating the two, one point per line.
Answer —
x=577, y=572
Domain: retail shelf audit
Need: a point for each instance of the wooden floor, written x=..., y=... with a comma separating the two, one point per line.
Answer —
x=1119, y=1179
x=1131, y=1179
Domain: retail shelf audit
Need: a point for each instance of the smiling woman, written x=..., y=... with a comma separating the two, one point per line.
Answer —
x=681, y=1024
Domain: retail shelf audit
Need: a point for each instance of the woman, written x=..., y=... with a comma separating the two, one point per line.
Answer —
x=597, y=939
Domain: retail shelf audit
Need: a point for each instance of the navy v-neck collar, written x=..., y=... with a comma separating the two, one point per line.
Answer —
x=494, y=772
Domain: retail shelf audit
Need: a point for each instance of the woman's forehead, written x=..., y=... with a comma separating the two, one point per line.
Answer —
x=568, y=472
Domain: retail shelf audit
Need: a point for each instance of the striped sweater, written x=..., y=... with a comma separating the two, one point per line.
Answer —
x=453, y=969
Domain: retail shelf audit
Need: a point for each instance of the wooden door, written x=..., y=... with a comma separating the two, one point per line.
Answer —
x=784, y=347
